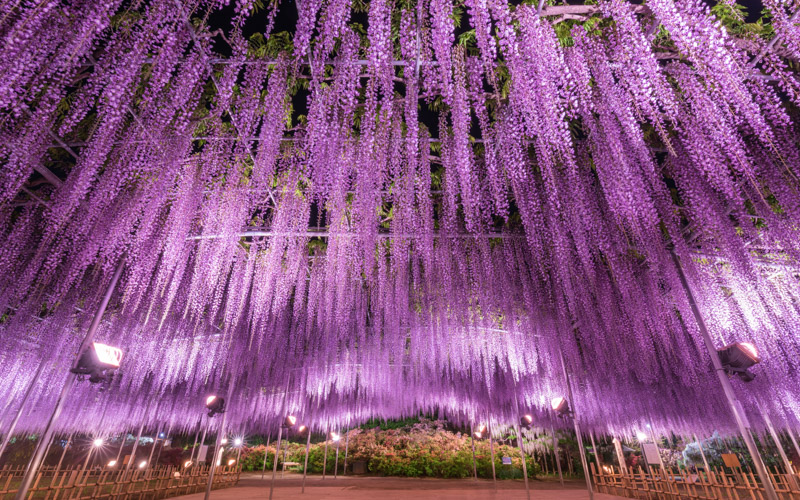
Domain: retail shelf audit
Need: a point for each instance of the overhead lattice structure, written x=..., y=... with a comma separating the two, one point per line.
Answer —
x=353, y=210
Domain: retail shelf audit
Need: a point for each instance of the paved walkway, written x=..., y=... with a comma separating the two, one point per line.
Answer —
x=251, y=487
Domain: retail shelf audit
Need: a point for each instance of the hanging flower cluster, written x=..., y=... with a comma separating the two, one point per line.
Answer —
x=399, y=218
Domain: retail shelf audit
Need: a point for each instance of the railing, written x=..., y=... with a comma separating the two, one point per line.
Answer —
x=136, y=484
x=715, y=484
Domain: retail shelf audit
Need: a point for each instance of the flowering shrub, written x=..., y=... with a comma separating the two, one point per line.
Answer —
x=424, y=449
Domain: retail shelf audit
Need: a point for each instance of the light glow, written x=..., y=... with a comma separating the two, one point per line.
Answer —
x=237, y=442
x=98, y=442
x=112, y=463
x=108, y=355
x=143, y=464
x=750, y=350
x=231, y=462
x=210, y=400
x=641, y=436
x=187, y=463
x=556, y=403
x=335, y=436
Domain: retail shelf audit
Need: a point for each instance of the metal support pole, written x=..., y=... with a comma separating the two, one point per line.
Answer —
x=153, y=449
x=196, y=436
x=578, y=436
x=472, y=438
x=325, y=460
x=620, y=456
x=218, y=445
x=203, y=439
x=285, y=451
x=61, y=460
x=88, y=456
x=787, y=464
x=703, y=455
x=555, y=453
x=136, y=443
x=305, y=466
x=275, y=462
x=266, y=448
x=119, y=453
x=13, y=425
x=163, y=443
x=594, y=450
x=794, y=440
x=336, y=462
x=727, y=388
x=38, y=455
x=491, y=448
x=346, y=443
x=524, y=465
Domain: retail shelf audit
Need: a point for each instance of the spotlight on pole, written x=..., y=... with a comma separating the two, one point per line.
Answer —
x=526, y=421
x=479, y=433
x=560, y=406
x=112, y=463
x=99, y=361
x=737, y=358
x=215, y=405
x=97, y=442
x=302, y=430
x=289, y=421
x=335, y=436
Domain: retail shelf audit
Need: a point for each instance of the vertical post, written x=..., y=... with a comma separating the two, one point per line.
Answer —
x=285, y=452
x=491, y=448
x=346, y=443
x=578, y=436
x=88, y=456
x=787, y=464
x=794, y=440
x=655, y=442
x=38, y=454
x=121, y=446
x=325, y=460
x=153, y=449
x=13, y=425
x=727, y=388
x=63, y=453
x=623, y=467
x=594, y=449
x=472, y=438
x=524, y=465
x=266, y=448
x=220, y=436
x=703, y=456
x=336, y=462
x=138, y=438
x=196, y=435
x=305, y=466
x=555, y=453
x=275, y=462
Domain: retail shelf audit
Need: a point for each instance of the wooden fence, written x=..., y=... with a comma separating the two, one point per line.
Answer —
x=715, y=484
x=136, y=484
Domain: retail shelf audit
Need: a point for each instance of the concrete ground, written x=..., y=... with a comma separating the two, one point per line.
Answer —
x=252, y=487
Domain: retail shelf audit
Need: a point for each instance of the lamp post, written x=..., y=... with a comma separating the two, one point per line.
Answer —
x=338, y=439
x=38, y=454
x=472, y=439
x=305, y=465
x=524, y=465
x=555, y=453
x=727, y=388
x=266, y=447
x=217, y=446
x=325, y=459
x=288, y=423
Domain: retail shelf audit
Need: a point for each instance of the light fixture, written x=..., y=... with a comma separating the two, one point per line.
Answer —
x=289, y=421
x=143, y=464
x=560, y=406
x=335, y=436
x=162, y=435
x=98, y=442
x=99, y=361
x=641, y=436
x=112, y=463
x=215, y=405
x=479, y=433
x=231, y=462
x=526, y=421
x=302, y=430
x=237, y=442
x=737, y=358
x=224, y=440
x=187, y=463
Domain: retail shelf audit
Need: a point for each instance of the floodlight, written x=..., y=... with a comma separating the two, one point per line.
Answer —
x=143, y=464
x=302, y=430
x=526, y=421
x=560, y=406
x=231, y=462
x=224, y=440
x=641, y=436
x=289, y=421
x=335, y=436
x=99, y=361
x=187, y=463
x=215, y=405
x=112, y=463
x=737, y=358
x=479, y=433
x=98, y=442
x=237, y=442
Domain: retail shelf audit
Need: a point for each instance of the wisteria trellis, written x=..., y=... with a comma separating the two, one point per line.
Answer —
x=379, y=265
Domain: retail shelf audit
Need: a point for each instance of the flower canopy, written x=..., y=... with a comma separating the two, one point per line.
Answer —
x=346, y=210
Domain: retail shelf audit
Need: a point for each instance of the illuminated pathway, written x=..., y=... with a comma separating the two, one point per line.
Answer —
x=251, y=487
